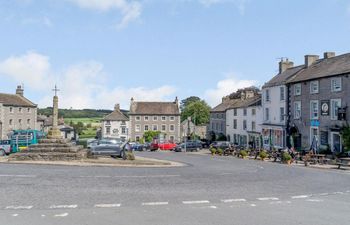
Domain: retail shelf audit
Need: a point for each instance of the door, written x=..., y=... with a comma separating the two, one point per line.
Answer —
x=336, y=142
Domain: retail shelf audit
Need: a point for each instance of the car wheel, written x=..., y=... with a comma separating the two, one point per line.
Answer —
x=123, y=155
x=2, y=152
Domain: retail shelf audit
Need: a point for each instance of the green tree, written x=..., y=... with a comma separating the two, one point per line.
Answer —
x=150, y=135
x=78, y=127
x=184, y=103
x=199, y=111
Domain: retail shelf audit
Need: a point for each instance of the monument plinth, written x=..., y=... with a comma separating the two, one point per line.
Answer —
x=54, y=148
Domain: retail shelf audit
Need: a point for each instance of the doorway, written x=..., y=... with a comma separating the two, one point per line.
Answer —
x=336, y=145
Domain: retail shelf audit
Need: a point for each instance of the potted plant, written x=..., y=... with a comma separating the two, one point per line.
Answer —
x=243, y=154
x=213, y=150
x=220, y=151
x=287, y=158
x=263, y=155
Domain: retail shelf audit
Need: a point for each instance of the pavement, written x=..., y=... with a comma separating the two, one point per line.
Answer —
x=207, y=190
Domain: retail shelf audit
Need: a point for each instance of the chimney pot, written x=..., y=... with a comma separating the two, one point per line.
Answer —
x=284, y=65
x=328, y=55
x=19, y=90
x=310, y=59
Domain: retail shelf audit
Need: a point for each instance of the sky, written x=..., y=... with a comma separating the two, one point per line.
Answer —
x=103, y=52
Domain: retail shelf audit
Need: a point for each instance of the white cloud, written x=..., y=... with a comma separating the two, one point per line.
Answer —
x=82, y=85
x=130, y=10
x=226, y=87
x=239, y=3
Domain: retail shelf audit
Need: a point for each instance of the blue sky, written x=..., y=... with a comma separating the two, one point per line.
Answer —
x=101, y=52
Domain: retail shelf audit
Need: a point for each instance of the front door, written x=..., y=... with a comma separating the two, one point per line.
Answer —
x=336, y=142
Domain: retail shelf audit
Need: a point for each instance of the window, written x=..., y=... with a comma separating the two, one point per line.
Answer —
x=155, y=127
x=253, y=126
x=172, y=138
x=146, y=128
x=137, y=118
x=336, y=84
x=234, y=124
x=163, y=127
x=281, y=114
x=11, y=110
x=314, y=109
x=244, y=125
x=123, y=130
x=267, y=95
x=235, y=112
x=282, y=95
x=297, y=89
x=108, y=130
x=172, y=118
x=297, y=110
x=146, y=118
x=28, y=122
x=20, y=121
x=172, y=128
x=155, y=118
x=267, y=114
x=20, y=110
x=163, y=118
x=138, y=128
x=108, y=122
x=10, y=122
x=137, y=138
x=244, y=112
x=253, y=112
x=314, y=87
x=28, y=110
x=335, y=105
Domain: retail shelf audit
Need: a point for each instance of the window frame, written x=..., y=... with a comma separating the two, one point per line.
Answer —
x=312, y=110
x=332, y=84
x=296, y=116
x=312, y=91
x=334, y=112
x=297, y=89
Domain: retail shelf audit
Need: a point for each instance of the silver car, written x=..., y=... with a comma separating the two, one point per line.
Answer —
x=108, y=147
x=5, y=147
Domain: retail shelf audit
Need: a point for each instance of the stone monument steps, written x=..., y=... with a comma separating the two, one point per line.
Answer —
x=50, y=145
x=54, y=149
x=47, y=156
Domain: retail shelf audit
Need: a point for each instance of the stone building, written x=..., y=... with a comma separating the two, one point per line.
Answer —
x=16, y=112
x=115, y=125
x=156, y=116
x=188, y=128
x=274, y=106
x=319, y=100
x=243, y=120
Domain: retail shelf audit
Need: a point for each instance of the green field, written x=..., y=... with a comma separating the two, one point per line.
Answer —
x=94, y=121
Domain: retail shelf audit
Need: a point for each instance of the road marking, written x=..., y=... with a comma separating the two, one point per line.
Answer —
x=151, y=176
x=300, y=196
x=233, y=200
x=338, y=193
x=14, y=215
x=62, y=215
x=107, y=205
x=252, y=205
x=154, y=203
x=43, y=215
x=280, y=202
x=19, y=207
x=196, y=202
x=213, y=207
x=348, y=191
x=63, y=206
x=268, y=199
x=21, y=176
x=314, y=200
x=323, y=194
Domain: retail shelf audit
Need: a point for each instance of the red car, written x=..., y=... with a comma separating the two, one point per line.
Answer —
x=162, y=146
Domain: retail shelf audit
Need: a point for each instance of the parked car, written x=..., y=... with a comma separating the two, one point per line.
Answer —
x=109, y=147
x=91, y=142
x=221, y=144
x=162, y=146
x=5, y=147
x=189, y=146
x=137, y=146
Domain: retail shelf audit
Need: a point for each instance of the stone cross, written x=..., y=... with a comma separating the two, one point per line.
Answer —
x=54, y=132
x=55, y=90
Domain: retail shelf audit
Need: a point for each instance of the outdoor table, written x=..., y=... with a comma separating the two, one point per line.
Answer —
x=318, y=158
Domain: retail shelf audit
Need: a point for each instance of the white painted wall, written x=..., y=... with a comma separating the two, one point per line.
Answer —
x=116, y=129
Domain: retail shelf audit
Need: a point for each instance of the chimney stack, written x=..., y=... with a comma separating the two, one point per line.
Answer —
x=19, y=90
x=116, y=107
x=176, y=101
x=310, y=59
x=328, y=55
x=284, y=65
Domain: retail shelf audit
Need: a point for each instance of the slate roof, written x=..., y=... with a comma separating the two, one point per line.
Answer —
x=333, y=66
x=223, y=106
x=15, y=100
x=154, y=108
x=254, y=101
x=116, y=115
x=282, y=78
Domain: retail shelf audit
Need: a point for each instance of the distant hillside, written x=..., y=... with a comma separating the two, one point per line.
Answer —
x=76, y=113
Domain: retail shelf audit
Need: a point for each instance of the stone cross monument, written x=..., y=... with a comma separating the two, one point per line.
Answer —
x=54, y=132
